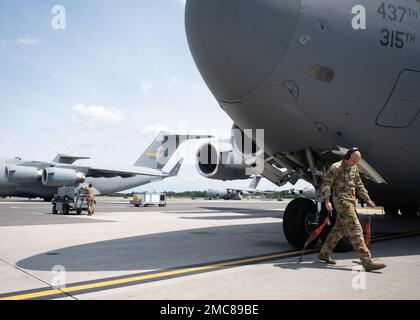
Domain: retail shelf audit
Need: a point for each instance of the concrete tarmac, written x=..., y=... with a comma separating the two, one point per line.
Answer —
x=190, y=249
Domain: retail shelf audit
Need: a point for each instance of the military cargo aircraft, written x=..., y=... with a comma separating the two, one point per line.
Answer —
x=232, y=193
x=319, y=76
x=32, y=179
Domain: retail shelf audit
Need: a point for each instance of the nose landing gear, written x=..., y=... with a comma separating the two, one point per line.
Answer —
x=301, y=218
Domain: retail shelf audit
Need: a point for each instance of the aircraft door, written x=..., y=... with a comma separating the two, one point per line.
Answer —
x=403, y=105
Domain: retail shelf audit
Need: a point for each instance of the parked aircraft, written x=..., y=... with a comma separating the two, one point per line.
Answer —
x=319, y=76
x=31, y=179
x=233, y=194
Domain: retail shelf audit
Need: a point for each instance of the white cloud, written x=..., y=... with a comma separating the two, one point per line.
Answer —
x=92, y=116
x=173, y=82
x=153, y=129
x=147, y=86
x=27, y=41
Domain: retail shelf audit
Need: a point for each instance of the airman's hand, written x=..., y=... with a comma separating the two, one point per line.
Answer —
x=328, y=206
x=371, y=204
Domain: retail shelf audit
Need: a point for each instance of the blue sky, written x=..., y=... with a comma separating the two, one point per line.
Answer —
x=104, y=86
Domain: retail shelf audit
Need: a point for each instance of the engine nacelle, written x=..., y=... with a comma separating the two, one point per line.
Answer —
x=238, y=159
x=221, y=162
x=243, y=143
x=58, y=177
x=21, y=174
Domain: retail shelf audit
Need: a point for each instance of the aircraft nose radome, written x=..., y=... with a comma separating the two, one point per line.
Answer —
x=237, y=44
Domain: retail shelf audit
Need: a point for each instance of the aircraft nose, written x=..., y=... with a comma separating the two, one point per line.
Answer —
x=237, y=44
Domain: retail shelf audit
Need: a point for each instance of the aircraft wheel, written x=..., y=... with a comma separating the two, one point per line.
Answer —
x=66, y=209
x=391, y=210
x=344, y=245
x=298, y=222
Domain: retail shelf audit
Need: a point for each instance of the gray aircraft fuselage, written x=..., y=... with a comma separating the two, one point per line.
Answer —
x=104, y=186
x=225, y=194
x=299, y=70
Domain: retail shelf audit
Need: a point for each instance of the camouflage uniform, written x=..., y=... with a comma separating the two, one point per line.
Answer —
x=344, y=182
x=90, y=199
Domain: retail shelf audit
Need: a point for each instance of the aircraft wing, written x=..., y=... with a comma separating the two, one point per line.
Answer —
x=36, y=164
x=241, y=190
x=68, y=159
x=97, y=172
x=111, y=173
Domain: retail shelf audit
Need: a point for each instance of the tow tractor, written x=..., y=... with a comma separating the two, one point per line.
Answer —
x=71, y=199
x=147, y=199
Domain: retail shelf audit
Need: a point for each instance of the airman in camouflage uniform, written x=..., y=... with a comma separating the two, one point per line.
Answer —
x=90, y=197
x=344, y=182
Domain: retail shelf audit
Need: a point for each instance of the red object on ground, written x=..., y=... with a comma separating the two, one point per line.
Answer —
x=368, y=232
x=315, y=233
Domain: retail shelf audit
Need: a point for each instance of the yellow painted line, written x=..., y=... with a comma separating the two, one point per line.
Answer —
x=396, y=236
x=46, y=293
x=104, y=284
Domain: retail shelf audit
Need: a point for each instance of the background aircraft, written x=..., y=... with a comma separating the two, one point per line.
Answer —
x=317, y=85
x=31, y=179
x=233, y=194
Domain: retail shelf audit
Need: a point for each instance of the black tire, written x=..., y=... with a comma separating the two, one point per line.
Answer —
x=48, y=199
x=66, y=209
x=391, y=210
x=296, y=218
x=344, y=245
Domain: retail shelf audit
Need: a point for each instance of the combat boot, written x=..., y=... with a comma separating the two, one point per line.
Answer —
x=326, y=258
x=371, y=265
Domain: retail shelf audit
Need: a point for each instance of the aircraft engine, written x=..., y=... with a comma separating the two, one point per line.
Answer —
x=228, y=161
x=20, y=174
x=220, y=162
x=57, y=177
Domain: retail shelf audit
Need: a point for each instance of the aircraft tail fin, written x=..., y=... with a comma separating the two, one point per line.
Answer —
x=66, y=159
x=254, y=183
x=160, y=151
